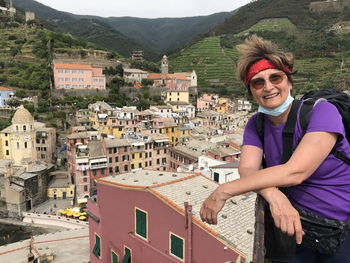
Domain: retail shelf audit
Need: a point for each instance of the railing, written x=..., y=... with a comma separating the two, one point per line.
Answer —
x=98, y=166
x=258, y=249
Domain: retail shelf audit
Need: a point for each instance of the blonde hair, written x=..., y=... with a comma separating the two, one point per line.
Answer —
x=256, y=48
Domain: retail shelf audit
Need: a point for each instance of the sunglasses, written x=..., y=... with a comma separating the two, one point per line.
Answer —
x=274, y=78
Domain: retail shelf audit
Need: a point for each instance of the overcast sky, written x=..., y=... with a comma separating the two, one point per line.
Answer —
x=145, y=8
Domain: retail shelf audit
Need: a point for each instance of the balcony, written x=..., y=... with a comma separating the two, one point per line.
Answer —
x=98, y=166
x=137, y=150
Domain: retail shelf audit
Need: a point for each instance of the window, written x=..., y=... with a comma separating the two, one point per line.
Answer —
x=141, y=218
x=86, y=188
x=7, y=152
x=25, y=145
x=216, y=177
x=114, y=257
x=110, y=159
x=6, y=143
x=150, y=155
x=97, y=247
x=158, y=161
x=102, y=171
x=84, y=173
x=24, y=127
x=127, y=255
x=110, y=170
x=116, y=169
x=18, y=145
x=116, y=159
x=94, y=173
x=176, y=246
x=140, y=165
x=110, y=150
x=132, y=166
x=140, y=155
x=85, y=180
x=126, y=168
x=133, y=156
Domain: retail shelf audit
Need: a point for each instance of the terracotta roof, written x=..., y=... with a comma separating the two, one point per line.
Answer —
x=74, y=66
x=166, y=76
x=5, y=89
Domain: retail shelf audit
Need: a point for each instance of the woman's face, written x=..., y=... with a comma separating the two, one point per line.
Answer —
x=270, y=88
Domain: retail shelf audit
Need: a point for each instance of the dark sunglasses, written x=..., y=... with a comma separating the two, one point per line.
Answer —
x=274, y=78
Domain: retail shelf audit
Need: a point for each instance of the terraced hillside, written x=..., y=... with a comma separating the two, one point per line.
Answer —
x=26, y=53
x=214, y=64
x=321, y=60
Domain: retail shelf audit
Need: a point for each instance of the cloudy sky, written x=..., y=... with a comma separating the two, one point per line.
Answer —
x=145, y=8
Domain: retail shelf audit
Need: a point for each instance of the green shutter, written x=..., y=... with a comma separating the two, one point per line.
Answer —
x=141, y=223
x=115, y=258
x=127, y=256
x=177, y=246
x=97, y=248
x=216, y=177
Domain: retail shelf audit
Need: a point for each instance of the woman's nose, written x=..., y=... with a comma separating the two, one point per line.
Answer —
x=268, y=85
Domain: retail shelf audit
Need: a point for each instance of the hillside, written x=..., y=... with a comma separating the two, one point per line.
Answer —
x=88, y=29
x=322, y=56
x=124, y=34
x=25, y=54
x=164, y=34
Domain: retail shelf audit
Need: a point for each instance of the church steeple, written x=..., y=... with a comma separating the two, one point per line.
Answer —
x=165, y=65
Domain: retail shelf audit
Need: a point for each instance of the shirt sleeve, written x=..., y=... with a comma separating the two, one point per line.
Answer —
x=250, y=136
x=326, y=117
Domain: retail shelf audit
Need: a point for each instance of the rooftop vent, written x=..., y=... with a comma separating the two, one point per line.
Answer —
x=205, y=186
x=224, y=216
x=155, y=183
x=174, y=175
x=250, y=231
x=233, y=201
x=188, y=193
x=123, y=179
x=160, y=174
x=135, y=181
x=147, y=173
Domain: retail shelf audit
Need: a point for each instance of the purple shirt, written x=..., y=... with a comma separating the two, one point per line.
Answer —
x=327, y=191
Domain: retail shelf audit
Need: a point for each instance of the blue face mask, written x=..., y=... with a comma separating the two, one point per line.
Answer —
x=279, y=110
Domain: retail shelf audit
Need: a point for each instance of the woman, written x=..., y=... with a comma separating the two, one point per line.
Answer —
x=317, y=181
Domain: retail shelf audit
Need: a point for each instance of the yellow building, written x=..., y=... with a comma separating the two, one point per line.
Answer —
x=61, y=187
x=138, y=155
x=183, y=96
x=26, y=139
x=223, y=106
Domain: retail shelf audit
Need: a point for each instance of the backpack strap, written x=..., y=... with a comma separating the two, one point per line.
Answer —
x=260, y=129
x=288, y=132
x=305, y=112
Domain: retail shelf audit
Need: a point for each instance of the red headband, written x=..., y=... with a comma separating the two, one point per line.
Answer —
x=261, y=65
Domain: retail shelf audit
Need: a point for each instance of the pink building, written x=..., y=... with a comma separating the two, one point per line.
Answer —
x=139, y=217
x=207, y=101
x=78, y=76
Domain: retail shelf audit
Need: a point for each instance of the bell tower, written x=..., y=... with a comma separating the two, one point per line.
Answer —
x=164, y=65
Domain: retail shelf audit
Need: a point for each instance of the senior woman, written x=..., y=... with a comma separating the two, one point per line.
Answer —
x=317, y=181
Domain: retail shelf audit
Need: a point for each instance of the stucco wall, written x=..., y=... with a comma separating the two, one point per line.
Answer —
x=116, y=229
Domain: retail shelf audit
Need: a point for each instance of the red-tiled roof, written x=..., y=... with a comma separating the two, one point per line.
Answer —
x=166, y=76
x=5, y=89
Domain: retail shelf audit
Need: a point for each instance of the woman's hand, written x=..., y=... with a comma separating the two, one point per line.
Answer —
x=213, y=205
x=285, y=216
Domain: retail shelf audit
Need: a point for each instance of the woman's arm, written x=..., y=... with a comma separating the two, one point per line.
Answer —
x=310, y=153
